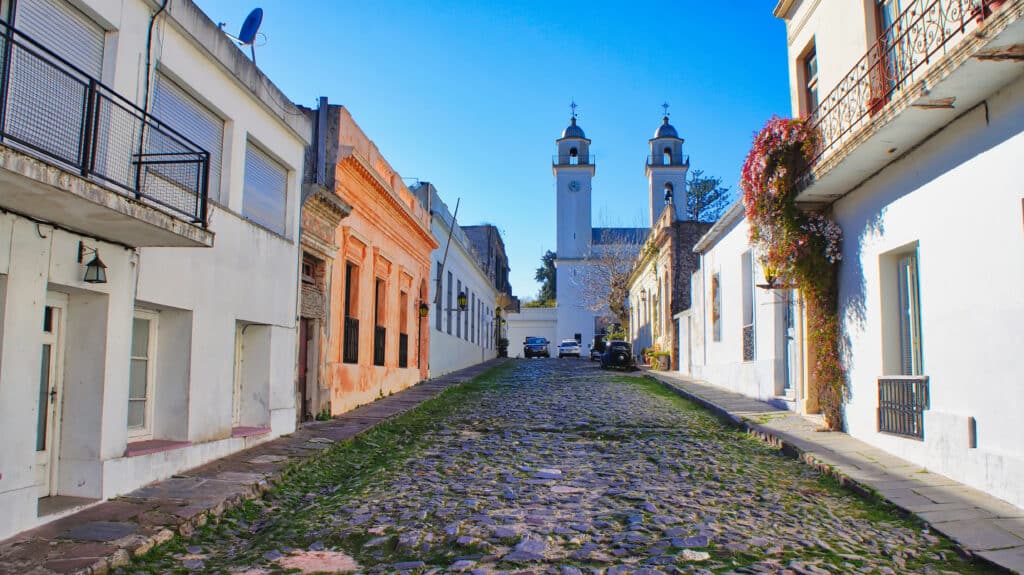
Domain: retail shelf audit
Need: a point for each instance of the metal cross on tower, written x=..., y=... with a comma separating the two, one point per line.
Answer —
x=665, y=107
x=573, y=106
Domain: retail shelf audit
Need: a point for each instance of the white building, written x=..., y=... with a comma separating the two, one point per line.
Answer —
x=459, y=337
x=187, y=352
x=920, y=111
x=737, y=335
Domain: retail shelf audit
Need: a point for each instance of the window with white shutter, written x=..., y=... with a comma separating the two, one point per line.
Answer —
x=265, y=197
x=174, y=106
x=910, y=316
x=65, y=30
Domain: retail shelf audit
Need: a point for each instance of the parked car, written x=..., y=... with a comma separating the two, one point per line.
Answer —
x=618, y=354
x=569, y=347
x=535, y=347
x=597, y=348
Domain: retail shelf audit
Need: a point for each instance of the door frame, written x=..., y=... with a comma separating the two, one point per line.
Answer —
x=153, y=317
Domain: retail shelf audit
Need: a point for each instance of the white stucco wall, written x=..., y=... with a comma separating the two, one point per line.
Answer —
x=957, y=197
x=199, y=295
x=453, y=352
x=721, y=362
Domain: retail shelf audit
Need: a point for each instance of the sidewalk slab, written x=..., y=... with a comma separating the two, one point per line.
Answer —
x=981, y=525
x=106, y=535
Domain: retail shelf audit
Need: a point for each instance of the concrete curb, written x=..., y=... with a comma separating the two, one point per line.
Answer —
x=788, y=448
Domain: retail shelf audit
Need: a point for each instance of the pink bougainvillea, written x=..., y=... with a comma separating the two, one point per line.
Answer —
x=796, y=247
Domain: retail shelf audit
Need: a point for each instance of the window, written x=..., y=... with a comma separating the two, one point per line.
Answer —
x=350, y=335
x=140, y=375
x=716, y=308
x=379, y=329
x=809, y=66
x=666, y=157
x=174, y=106
x=265, y=198
x=465, y=323
x=437, y=300
x=449, y=310
x=472, y=313
x=669, y=192
x=747, y=263
x=910, y=316
x=308, y=267
x=458, y=318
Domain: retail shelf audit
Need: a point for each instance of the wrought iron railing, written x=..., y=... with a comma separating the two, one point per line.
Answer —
x=921, y=32
x=901, y=404
x=55, y=111
x=656, y=161
x=748, y=342
x=560, y=160
x=379, y=344
x=403, y=350
x=350, y=341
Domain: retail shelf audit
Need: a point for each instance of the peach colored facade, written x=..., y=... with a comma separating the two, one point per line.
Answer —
x=380, y=274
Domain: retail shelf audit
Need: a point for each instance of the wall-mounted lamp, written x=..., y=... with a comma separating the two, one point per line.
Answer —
x=424, y=309
x=643, y=295
x=463, y=301
x=497, y=311
x=95, y=270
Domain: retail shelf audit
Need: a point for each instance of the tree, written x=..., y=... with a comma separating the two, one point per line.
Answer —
x=706, y=197
x=604, y=279
x=545, y=274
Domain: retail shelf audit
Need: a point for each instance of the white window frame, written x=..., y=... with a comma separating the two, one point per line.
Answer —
x=146, y=431
x=909, y=294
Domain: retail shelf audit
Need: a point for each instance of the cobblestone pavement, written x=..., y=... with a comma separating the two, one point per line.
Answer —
x=553, y=466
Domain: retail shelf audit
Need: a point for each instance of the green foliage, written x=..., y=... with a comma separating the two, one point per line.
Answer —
x=706, y=197
x=540, y=303
x=545, y=274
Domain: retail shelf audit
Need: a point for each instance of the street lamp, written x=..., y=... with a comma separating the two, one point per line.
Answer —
x=463, y=301
x=424, y=309
x=95, y=270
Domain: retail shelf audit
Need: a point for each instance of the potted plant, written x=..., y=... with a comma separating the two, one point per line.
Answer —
x=503, y=347
x=661, y=360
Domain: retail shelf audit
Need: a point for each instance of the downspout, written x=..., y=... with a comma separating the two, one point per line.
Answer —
x=149, y=55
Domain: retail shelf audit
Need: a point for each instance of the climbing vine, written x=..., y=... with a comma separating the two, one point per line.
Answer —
x=797, y=248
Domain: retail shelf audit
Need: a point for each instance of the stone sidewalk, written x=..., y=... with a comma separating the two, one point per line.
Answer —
x=106, y=535
x=981, y=524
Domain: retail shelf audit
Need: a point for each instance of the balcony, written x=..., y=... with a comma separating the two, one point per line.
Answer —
x=939, y=59
x=558, y=160
x=137, y=180
x=350, y=341
x=663, y=161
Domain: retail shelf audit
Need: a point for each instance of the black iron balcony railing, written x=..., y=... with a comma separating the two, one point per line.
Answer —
x=920, y=34
x=901, y=404
x=350, y=341
x=559, y=160
x=662, y=160
x=53, y=110
x=403, y=350
x=380, y=334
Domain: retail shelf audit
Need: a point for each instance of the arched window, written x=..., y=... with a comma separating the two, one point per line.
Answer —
x=574, y=156
x=666, y=157
x=669, y=192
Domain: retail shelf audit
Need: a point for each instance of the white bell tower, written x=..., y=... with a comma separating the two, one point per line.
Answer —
x=573, y=168
x=666, y=171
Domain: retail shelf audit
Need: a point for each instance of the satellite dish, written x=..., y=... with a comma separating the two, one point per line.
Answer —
x=250, y=27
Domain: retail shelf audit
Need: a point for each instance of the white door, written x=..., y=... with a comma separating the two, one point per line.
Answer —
x=49, y=397
x=236, y=396
x=142, y=375
x=792, y=354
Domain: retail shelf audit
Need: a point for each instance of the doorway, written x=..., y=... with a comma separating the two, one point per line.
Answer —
x=50, y=394
x=303, y=388
x=791, y=354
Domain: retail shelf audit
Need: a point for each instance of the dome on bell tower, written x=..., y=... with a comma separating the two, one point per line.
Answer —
x=573, y=131
x=665, y=130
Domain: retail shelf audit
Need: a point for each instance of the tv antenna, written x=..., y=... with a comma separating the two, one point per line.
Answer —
x=247, y=35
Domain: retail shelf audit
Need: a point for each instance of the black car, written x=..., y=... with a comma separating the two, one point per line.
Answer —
x=618, y=354
x=535, y=347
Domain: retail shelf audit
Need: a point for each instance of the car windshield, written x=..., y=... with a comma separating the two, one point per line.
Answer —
x=567, y=344
x=535, y=340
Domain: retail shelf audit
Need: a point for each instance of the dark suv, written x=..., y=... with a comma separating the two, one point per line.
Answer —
x=535, y=347
x=618, y=354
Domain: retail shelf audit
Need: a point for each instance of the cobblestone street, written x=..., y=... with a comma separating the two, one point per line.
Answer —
x=553, y=466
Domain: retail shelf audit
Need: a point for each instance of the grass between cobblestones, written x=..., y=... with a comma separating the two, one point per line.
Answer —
x=303, y=508
x=287, y=513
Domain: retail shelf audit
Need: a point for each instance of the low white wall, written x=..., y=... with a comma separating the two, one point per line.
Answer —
x=532, y=322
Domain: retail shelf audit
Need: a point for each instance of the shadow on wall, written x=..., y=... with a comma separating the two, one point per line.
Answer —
x=864, y=224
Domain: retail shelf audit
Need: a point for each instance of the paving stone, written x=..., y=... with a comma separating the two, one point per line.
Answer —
x=100, y=531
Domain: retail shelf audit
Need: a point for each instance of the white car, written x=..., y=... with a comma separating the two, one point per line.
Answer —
x=569, y=347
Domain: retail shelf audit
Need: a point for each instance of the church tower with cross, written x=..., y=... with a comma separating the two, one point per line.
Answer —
x=666, y=170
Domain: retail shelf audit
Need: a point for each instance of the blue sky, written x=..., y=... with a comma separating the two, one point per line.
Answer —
x=471, y=95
